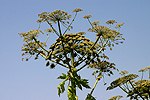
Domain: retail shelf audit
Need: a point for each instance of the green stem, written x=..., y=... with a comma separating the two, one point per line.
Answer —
x=92, y=58
x=136, y=90
x=59, y=27
x=92, y=45
x=149, y=73
x=70, y=23
x=73, y=84
x=95, y=84
x=87, y=53
x=72, y=93
x=123, y=89
x=142, y=75
x=72, y=58
x=53, y=28
x=39, y=44
x=126, y=86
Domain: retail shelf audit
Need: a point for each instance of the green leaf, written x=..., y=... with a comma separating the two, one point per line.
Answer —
x=90, y=97
x=63, y=76
x=61, y=88
x=84, y=83
x=79, y=86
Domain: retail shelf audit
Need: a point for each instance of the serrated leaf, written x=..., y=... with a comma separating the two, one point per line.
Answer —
x=61, y=88
x=84, y=83
x=79, y=86
x=63, y=76
x=90, y=97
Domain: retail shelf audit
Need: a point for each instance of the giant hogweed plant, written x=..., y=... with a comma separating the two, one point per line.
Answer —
x=73, y=51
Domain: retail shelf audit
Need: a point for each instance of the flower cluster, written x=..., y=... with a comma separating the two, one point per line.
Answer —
x=111, y=22
x=144, y=69
x=87, y=16
x=103, y=66
x=28, y=36
x=121, y=81
x=115, y=97
x=31, y=45
x=107, y=35
x=77, y=10
x=77, y=44
x=119, y=25
x=49, y=30
x=141, y=87
x=124, y=72
x=95, y=23
x=57, y=15
x=105, y=32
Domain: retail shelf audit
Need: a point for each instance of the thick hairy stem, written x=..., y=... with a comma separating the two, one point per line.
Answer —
x=72, y=87
x=73, y=84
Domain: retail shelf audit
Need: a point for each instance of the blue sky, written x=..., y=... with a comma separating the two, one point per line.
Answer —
x=32, y=80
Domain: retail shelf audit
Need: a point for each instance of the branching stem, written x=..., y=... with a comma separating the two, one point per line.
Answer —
x=70, y=24
x=39, y=44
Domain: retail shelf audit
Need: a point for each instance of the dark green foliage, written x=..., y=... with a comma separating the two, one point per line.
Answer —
x=90, y=97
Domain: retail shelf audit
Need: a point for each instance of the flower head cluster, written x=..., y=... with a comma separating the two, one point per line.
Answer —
x=49, y=30
x=144, y=69
x=87, y=16
x=76, y=43
x=95, y=23
x=28, y=36
x=77, y=10
x=99, y=29
x=124, y=72
x=31, y=45
x=111, y=22
x=103, y=66
x=105, y=32
x=121, y=81
x=57, y=15
x=141, y=87
x=115, y=97
x=119, y=25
